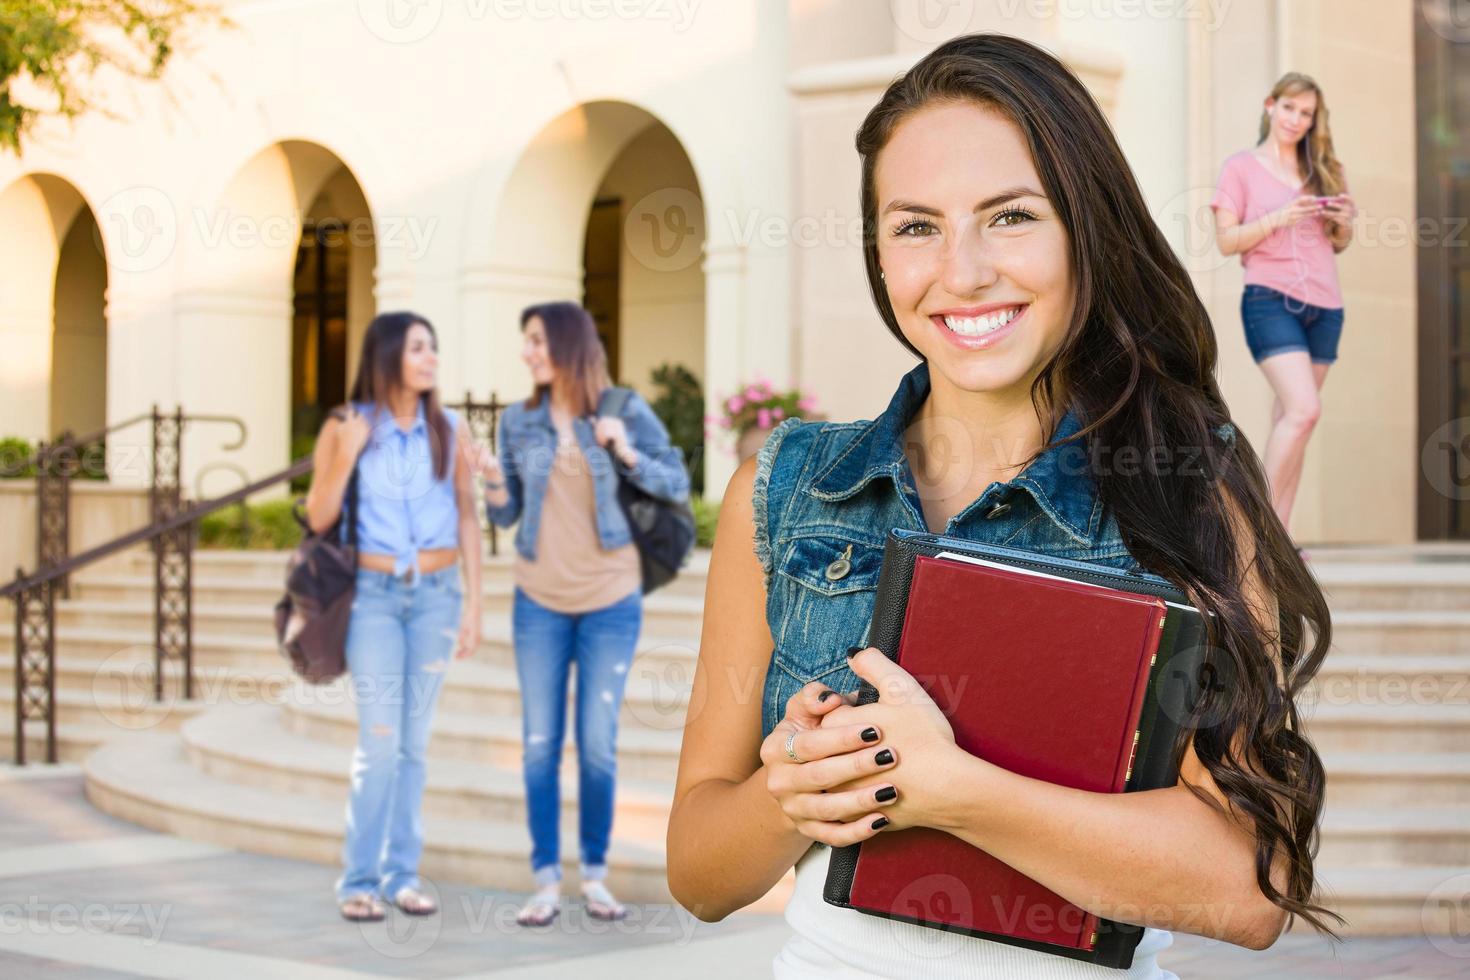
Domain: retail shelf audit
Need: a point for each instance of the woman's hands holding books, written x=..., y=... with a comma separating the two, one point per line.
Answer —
x=918, y=732
x=807, y=759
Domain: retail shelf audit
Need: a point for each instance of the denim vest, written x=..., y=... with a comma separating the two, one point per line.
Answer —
x=822, y=488
x=527, y=446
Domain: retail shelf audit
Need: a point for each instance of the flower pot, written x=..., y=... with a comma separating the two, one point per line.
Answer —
x=750, y=442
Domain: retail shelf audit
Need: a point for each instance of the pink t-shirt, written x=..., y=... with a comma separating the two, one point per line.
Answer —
x=1297, y=260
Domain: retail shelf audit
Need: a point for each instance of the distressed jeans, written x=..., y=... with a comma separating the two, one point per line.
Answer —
x=399, y=646
x=547, y=643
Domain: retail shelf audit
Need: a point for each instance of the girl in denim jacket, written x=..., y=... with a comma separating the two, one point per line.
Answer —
x=578, y=594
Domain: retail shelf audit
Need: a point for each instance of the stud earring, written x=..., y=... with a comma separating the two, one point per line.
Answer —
x=882, y=275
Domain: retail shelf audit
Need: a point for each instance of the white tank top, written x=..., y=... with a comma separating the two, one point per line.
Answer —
x=836, y=942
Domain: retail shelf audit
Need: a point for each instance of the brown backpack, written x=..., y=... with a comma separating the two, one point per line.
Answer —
x=321, y=576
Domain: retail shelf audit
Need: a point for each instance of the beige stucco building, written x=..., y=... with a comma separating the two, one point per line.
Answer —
x=685, y=168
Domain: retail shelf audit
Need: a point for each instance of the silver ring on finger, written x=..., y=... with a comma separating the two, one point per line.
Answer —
x=791, y=748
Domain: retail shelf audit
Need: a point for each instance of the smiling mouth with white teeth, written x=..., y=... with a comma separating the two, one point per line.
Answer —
x=979, y=326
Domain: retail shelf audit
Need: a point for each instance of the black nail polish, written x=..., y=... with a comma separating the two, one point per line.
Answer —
x=854, y=651
x=870, y=734
x=887, y=793
x=884, y=758
x=880, y=823
x=825, y=695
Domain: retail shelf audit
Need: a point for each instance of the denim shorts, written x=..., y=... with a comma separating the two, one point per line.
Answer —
x=1276, y=323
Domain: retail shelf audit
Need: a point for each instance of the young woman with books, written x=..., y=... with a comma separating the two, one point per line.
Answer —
x=1064, y=403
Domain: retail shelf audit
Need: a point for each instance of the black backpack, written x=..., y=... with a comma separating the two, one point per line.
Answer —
x=312, y=617
x=662, y=529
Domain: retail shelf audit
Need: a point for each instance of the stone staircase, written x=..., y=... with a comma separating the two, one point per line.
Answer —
x=259, y=762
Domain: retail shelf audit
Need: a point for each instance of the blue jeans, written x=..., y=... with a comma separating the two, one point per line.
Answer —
x=399, y=645
x=547, y=643
x=1276, y=323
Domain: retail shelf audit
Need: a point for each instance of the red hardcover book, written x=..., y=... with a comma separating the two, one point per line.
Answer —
x=1043, y=676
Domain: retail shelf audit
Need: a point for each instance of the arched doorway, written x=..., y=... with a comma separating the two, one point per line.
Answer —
x=275, y=302
x=53, y=287
x=604, y=208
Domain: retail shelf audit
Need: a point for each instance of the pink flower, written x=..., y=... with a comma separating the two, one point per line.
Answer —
x=806, y=404
x=735, y=404
x=752, y=393
x=763, y=418
x=778, y=412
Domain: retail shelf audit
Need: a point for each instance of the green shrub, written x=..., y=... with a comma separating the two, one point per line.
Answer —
x=15, y=458
x=262, y=526
x=706, y=515
x=680, y=407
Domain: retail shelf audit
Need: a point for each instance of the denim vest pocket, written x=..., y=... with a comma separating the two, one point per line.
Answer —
x=824, y=588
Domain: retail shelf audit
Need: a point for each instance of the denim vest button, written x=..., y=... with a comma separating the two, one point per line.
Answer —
x=840, y=566
x=997, y=510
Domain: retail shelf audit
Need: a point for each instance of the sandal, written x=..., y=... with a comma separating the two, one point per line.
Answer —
x=411, y=901
x=542, y=908
x=600, y=902
x=362, y=908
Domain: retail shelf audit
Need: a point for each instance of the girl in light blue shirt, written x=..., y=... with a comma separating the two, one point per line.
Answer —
x=410, y=615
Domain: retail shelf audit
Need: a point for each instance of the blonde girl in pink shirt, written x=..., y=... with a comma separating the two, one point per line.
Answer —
x=1283, y=207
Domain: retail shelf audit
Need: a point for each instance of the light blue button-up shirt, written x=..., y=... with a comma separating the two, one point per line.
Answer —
x=401, y=507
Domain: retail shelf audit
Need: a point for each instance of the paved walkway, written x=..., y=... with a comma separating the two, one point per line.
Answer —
x=85, y=895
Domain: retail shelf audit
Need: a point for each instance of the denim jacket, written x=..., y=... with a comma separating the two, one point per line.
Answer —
x=822, y=488
x=527, y=446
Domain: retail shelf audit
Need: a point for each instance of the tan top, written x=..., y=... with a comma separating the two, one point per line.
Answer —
x=572, y=572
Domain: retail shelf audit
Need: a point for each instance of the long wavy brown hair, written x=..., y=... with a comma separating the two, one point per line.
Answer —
x=1138, y=366
x=575, y=351
x=1315, y=155
x=380, y=371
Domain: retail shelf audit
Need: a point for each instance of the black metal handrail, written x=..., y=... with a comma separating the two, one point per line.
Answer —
x=35, y=607
x=54, y=474
x=170, y=531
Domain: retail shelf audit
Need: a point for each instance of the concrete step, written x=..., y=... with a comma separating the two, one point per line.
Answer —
x=97, y=711
x=492, y=740
x=1400, y=728
x=1391, y=679
x=652, y=698
x=1396, y=836
x=249, y=746
x=1396, y=586
x=670, y=658
x=148, y=780
x=74, y=742
x=1398, y=901
x=270, y=566
x=1382, y=632
x=247, y=606
x=1383, y=778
